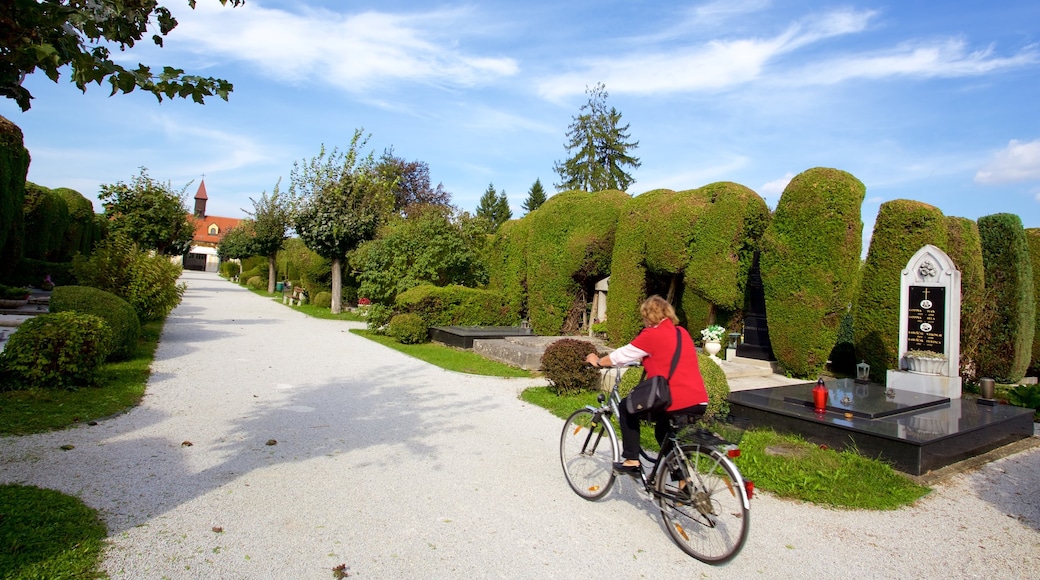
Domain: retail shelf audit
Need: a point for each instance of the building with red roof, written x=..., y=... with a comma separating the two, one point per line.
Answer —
x=209, y=230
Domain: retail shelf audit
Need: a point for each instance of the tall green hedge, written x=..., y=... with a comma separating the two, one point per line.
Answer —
x=810, y=261
x=1006, y=352
x=506, y=257
x=14, y=165
x=46, y=219
x=457, y=305
x=570, y=247
x=965, y=249
x=702, y=239
x=80, y=235
x=902, y=227
x=1033, y=239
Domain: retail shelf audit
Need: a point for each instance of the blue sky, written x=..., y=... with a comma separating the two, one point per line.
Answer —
x=933, y=101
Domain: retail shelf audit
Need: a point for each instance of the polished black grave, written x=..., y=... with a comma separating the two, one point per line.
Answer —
x=463, y=336
x=915, y=432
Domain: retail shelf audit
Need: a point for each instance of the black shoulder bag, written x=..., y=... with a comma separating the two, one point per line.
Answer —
x=653, y=394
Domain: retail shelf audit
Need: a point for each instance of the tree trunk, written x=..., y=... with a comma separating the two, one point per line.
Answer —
x=337, y=286
x=270, y=273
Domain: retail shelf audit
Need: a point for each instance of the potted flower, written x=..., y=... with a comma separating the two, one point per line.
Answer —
x=13, y=296
x=924, y=362
x=713, y=339
x=363, y=305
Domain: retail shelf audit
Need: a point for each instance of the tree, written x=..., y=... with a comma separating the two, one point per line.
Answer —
x=50, y=34
x=535, y=197
x=150, y=214
x=494, y=207
x=237, y=243
x=341, y=203
x=272, y=218
x=410, y=183
x=599, y=148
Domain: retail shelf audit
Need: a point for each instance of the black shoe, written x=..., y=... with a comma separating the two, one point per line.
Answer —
x=632, y=470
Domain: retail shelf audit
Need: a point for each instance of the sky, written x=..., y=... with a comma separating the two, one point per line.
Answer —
x=925, y=100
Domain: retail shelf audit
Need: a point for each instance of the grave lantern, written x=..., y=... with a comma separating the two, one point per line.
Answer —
x=734, y=337
x=863, y=372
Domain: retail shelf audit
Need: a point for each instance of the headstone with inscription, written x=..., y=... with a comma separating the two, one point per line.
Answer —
x=929, y=326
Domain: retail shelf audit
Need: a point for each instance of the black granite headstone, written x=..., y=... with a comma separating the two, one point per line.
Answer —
x=926, y=319
x=756, y=343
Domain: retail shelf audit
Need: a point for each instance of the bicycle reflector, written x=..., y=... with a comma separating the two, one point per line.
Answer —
x=749, y=487
x=733, y=453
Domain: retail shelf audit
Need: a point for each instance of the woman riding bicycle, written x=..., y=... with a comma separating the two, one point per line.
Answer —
x=655, y=347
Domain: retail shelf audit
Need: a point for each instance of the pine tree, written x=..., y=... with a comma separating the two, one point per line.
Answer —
x=494, y=207
x=535, y=197
x=599, y=148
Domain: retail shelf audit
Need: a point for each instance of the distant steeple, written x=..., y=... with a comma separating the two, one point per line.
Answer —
x=200, y=200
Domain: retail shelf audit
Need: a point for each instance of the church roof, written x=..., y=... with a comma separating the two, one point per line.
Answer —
x=201, y=193
x=202, y=229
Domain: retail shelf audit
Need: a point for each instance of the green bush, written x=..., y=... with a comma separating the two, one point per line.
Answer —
x=116, y=312
x=147, y=282
x=408, y=329
x=322, y=299
x=966, y=252
x=457, y=306
x=80, y=234
x=714, y=382
x=32, y=272
x=62, y=350
x=229, y=269
x=810, y=266
x=567, y=370
x=379, y=316
x=1033, y=239
x=506, y=256
x=14, y=164
x=1006, y=352
x=46, y=219
x=256, y=283
x=13, y=292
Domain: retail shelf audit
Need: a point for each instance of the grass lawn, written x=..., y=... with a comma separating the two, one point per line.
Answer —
x=793, y=468
x=446, y=357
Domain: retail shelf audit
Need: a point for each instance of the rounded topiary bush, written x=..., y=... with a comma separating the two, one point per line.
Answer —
x=408, y=329
x=714, y=381
x=118, y=313
x=256, y=283
x=322, y=300
x=565, y=366
x=62, y=350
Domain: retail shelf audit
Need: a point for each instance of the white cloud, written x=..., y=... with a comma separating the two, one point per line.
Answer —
x=776, y=187
x=351, y=51
x=1016, y=163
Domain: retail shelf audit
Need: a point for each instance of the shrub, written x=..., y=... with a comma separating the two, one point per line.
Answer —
x=13, y=292
x=34, y=271
x=714, y=382
x=322, y=299
x=379, y=316
x=457, y=305
x=46, y=219
x=408, y=329
x=14, y=164
x=116, y=312
x=507, y=263
x=256, y=283
x=62, y=350
x=565, y=366
x=147, y=282
x=966, y=252
x=1033, y=239
x=229, y=269
x=1006, y=353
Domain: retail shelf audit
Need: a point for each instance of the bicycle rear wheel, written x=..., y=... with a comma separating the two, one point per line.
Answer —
x=588, y=450
x=708, y=516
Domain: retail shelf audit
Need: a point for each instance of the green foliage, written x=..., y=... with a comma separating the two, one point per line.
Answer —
x=535, y=197
x=46, y=218
x=569, y=250
x=229, y=269
x=567, y=370
x=494, y=207
x=715, y=383
x=507, y=262
x=457, y=306
x=694, y=246
x=81, y=234
x=810, y=266
x=49, y=36
x=1006, y=353
x=272, y=217
x=428, y=247
x=148, y=282
x=379, y=316
x=48, y=534
x=599, y=148
x=116, y=312
x=33, y=272
x=902, y=228
x=304, y=265
x=408, y=329
x=62, y=350
x=237, y=243
x=149, y=213
x=13, y=292
x=1027, y=396
x=14, y=165
x=256, y=283
x=322, y=299
x=965, y=249
x=446, y=357
x=1033, y=240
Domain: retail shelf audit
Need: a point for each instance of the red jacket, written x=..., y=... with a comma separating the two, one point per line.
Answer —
x=687, y=385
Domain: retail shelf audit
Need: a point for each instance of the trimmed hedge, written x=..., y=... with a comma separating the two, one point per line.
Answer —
x=80, y=235
x=966, y=252
x=569, y=250
x=46, y=219
x=1033, y=239
x=456, y=306
x=14, y=165
x=701, y=240
x=903, y=226
x=1006, y=353
x=408, y=329
x=116, y=312
x=62, y=350
x=322, y=300
x=810, y=265
x=506, y=256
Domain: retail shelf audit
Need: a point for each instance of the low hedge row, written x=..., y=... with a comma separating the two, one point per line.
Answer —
x=116, y=312
x=457, y=306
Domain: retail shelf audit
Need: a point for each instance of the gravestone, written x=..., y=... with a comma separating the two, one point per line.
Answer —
x=756, y=343
x=929, y=320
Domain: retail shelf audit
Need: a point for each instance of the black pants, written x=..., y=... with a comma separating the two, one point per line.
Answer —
x=630, y=426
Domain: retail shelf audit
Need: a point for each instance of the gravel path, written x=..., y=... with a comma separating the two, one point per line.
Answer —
x=398, y=469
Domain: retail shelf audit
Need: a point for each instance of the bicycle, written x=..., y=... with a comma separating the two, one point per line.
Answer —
x=703, y=499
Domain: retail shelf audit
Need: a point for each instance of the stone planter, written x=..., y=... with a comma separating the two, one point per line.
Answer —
x=5, y=303
x=712, y=348
x=925, y=366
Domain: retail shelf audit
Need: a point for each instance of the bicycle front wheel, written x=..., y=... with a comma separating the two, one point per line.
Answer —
x=703, y=503
x=588, y=450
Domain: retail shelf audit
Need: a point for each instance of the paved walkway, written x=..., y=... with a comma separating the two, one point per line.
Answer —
x=398, y=469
